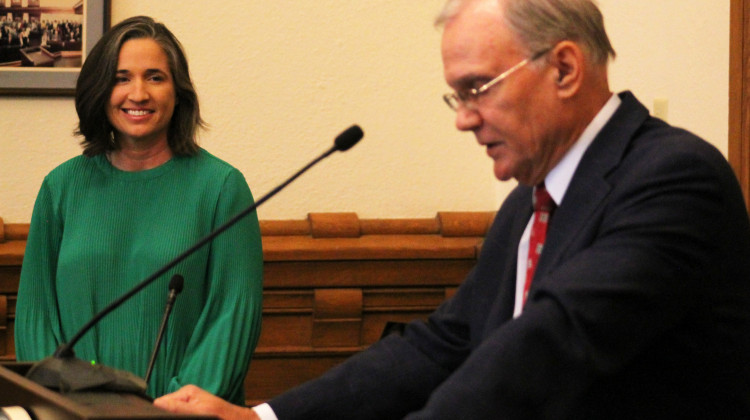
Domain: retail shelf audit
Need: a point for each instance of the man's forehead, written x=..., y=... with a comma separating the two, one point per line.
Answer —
x=477, y=23
x=477, y=44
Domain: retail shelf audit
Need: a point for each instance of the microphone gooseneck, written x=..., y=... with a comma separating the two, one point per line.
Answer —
x=63, y=366
x=343, y=142
x=175, y=287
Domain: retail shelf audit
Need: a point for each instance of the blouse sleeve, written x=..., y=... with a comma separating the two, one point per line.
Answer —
x=37, y=325
x=219, y=352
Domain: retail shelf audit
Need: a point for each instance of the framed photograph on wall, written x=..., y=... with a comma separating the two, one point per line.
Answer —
x=44, y=42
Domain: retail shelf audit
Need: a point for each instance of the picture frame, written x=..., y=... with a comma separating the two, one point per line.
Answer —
x=28, y=79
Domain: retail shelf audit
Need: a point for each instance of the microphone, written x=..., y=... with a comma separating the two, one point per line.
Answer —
x=348, y=138
x=175, y=287
x=64, y=371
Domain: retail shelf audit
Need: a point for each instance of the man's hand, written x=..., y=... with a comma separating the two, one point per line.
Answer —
x=192, y=400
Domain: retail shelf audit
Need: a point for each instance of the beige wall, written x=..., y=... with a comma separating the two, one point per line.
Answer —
x=279, y=79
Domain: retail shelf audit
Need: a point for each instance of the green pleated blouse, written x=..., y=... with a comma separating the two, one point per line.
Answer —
x=97, y=231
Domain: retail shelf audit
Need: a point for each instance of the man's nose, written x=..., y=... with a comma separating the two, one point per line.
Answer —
x=467, y=119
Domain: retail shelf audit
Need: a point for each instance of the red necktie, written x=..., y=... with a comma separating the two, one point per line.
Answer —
x=543, y=208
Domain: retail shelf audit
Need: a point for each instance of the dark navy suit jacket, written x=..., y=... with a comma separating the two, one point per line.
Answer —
x=640, y=307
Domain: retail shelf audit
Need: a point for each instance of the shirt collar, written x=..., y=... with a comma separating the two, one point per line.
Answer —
x=559, y=177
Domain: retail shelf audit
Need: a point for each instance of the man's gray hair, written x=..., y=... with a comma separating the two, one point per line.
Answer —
x=541, y=24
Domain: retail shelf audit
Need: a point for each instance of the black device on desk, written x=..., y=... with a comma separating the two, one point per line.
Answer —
x=45, y=404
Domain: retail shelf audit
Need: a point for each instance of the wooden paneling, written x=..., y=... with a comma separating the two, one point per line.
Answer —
x=331, y=283
x=739, y=93
x=9, y=276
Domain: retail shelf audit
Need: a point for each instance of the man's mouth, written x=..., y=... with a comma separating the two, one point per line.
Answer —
x=494, y=149
x=495, y=145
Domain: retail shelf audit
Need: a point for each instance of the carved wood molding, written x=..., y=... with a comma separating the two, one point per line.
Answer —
x=12, y=243
x=349, y=225
x=13, y=231
x=337, y=236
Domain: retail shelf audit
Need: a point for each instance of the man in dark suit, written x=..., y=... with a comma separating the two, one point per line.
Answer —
x=640, y=301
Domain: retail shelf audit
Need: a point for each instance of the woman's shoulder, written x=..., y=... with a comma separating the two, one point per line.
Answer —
x=76, y=165
x=205, y=161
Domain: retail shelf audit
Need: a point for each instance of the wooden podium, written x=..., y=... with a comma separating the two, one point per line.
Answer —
x=46, y=404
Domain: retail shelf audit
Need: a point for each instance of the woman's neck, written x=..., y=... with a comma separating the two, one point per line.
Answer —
x=134, y=157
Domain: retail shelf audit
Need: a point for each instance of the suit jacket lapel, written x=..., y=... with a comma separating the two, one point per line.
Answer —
x=589, y=186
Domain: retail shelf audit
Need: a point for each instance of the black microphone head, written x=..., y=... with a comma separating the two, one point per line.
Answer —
x=176, y=283
x=348, y=138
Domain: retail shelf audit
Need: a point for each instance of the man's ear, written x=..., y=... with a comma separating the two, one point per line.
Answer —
x=568, y=59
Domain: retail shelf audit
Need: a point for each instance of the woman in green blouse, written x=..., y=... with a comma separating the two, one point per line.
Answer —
x=142, y=193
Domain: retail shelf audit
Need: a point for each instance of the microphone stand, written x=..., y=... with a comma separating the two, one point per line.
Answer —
x=64, y=371
x=175, y=287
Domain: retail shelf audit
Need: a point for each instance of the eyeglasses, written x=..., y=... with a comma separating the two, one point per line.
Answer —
x=468, y=98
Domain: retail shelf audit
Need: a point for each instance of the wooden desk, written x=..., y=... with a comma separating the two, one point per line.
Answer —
x=331, y=282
